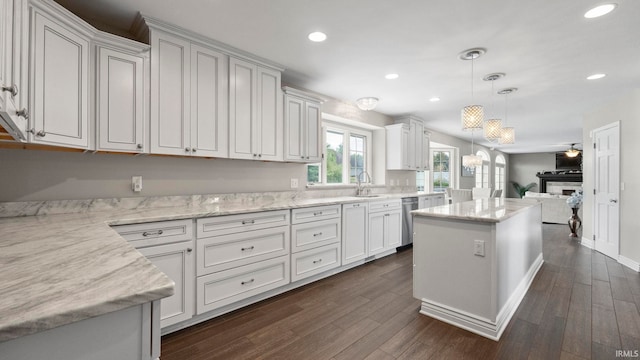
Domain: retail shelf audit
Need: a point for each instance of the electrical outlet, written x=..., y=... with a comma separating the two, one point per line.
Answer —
x=136, y=183
x=478, y=247
x=407, y=182
x=294, y=183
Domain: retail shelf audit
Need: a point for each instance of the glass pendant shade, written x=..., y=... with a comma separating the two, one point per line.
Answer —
x=472, y=117
x=508, y=136
x=493, y=129
x=471, y=161
x=573, y=152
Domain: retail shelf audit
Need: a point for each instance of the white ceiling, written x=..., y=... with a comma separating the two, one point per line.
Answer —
x=546, y=48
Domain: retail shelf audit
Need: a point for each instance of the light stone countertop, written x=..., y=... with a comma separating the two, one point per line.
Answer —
x=62, y=268
x=490, y=210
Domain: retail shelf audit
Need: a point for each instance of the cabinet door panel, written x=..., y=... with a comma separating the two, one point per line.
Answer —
x=120, y=101
x=176, y=261
x=376, y=233
x=61, y=85
x=242, y=113
x=270, y=121
x=354, y=232
x=393, y=230
x=170, y=126
x=209, y=117
x=294, y=114
x=314, y=133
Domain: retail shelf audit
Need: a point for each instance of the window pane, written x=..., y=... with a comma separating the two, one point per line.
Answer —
x=441, y=171
x=335, y=141
x=313, y=173
x=356, y=157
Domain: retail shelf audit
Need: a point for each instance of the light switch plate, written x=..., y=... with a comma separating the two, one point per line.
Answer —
x=294, y=183
x=478, y=247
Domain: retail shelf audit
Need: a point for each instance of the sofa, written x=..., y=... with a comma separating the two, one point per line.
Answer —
x=554, y=207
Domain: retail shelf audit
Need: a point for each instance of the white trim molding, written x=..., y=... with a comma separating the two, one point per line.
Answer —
x=588, y=243
x=631, y=264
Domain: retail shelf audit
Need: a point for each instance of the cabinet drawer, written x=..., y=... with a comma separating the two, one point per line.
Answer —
x=315, y=213
x=224, y=252
x=156, y=233
x=222, y=225
x=226, y=287
x=314, y=234
x=385, y=205
x=314, y=261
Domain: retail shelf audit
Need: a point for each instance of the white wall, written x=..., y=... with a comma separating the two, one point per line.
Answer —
x=524, y=167
x=627, y=111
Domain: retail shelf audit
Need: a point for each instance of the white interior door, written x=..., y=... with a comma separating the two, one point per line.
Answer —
x=606, y=189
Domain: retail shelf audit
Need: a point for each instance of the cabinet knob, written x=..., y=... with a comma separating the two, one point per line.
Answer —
x=13, y=89
x=255, y=155
x=301, y=157
x=193, y=150
x=189, y=250
x=41, y=133
x=259, y=155
x=24, y=113
x=139, y=146
x=307, y=158
x=187, y=149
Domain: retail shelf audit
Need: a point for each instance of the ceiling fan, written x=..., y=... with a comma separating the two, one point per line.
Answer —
x=572, y=152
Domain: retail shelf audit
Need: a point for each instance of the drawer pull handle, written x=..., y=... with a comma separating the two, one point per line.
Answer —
x=386, y=214
x=189, y=250
x=247, y=282
x=245, y=222
x=317, y=213
x=356, y=205
x=13, y=89
x=146, y=233
x=248, y=248
x=317, y=261
x=317, y=234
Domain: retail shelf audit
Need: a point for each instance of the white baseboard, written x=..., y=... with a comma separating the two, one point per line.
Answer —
x=631, y=264
x=480, y=325
x=588, y=243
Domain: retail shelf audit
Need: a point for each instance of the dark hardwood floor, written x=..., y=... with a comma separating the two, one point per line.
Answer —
x=581, y=305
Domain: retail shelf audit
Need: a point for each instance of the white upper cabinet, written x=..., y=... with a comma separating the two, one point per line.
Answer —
x=170, y=87
x=408, y=135
x=14, y=67
x=209, y=119
x=120, y=100
x=426, y=150
x=188, y=97
x=255, y=112
x=60, y=82
x=302, y=122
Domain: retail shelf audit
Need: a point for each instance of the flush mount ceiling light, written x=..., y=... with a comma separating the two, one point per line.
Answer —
x=508, y=134
x=434, y=99
x=572, y=152
x=596, y=76
x=472, y=115
x=367, y=103
x=493, y=127
x=600, y=11
x=317, y=36
x=391, y=76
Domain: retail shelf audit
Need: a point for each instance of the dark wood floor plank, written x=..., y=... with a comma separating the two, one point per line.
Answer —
x=581, y=297
x=620, y=289
x=379, y=355
x=599, y=271
x=614, y=268
x=604, y=328
x=568, y=356
x=577, y=333
x=547, y=343
x=408, y=335
x=558, y=304
x=346, y=339
x=601, y=294
x=628, y=318
x=349, y=319
x=519, y=341
x=304, y=345
x=603, y=352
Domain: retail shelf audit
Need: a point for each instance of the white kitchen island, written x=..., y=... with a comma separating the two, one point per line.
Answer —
x=474, y=261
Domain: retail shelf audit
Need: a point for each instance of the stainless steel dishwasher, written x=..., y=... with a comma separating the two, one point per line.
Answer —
x=408, y=204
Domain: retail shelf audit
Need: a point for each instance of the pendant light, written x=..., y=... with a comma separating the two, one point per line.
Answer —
x=472, y=115
x=508, y=134
x=492, y=128
x=472, y=160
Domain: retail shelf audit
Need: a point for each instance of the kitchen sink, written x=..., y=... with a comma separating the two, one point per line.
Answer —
x=368, y=195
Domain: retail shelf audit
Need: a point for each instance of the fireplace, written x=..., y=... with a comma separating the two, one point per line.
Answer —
x=557, y=182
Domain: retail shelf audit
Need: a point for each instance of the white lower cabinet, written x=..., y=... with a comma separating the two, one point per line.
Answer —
x=226, y=287
x=385, y=226
x=240, y=256
x=316, y=240
x=354, y=232
x=169, y=246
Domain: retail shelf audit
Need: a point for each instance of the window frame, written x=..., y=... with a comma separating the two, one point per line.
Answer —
x=483, y=170
x=500, y=174
x=452, y=166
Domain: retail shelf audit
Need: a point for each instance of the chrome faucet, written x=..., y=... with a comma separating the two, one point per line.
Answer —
x=367, y=180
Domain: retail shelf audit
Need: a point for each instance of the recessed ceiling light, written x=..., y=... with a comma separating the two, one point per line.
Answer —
x=317, y=36
x=599, y=11
x=391, y=76
x=434, y=99
x=596, y=76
